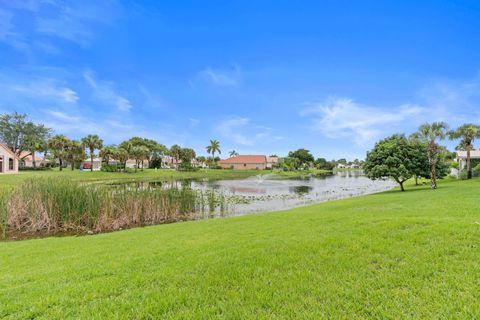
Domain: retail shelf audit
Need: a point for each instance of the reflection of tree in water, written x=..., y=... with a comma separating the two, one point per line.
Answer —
x=301, y=190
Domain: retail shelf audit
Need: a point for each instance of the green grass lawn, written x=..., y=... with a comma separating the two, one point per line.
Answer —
x=385, y=256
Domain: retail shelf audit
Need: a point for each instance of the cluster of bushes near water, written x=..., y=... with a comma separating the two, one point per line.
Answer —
x=58, y=205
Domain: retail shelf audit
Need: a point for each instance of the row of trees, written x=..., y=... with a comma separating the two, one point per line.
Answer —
x=26, y=138
x=419, y=155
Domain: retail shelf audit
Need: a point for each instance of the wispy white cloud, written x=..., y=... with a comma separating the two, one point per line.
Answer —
x=62, y=115
x=74, y=21
x=241, y=131
x=8, y=34
x=105, y=92
x=344, y=118
x=77, y=21
x=193, y=122
x=230, y=129
x=47, y=88
x=222, y=77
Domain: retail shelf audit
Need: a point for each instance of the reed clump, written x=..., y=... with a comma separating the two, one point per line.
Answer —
x=51, y=205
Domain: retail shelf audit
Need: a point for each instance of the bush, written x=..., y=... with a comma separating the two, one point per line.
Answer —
x=454, y=165
x=185, y=166
x=155, y=163
x=109, y=168
x=35, y=169
x=463, y=175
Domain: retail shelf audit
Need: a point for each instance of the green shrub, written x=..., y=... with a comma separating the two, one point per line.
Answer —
x=463, y=175
x=454, y=165
x=109, y=168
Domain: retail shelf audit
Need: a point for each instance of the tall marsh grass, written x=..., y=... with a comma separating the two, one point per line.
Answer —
x=51, y=205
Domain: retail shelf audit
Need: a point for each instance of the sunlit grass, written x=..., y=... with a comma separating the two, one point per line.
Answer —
x=390, y=255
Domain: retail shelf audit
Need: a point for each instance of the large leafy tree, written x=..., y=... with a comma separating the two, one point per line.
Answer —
x=155, y=150
x=303, y=157
x=59, y=144
x=419, y=163
x=431, y=133
x=36, y=139
x=92, y=142
x=467, y=134
x=390, y=158
x=21, y=135
x=213, y=147
x=187, y=155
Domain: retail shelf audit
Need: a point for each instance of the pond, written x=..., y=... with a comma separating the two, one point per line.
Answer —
x=264, y=193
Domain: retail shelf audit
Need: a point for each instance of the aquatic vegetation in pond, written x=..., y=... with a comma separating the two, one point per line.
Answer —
x=52, y=206
x=61, y=205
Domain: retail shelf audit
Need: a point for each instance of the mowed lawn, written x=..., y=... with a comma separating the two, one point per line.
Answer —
x=385, y=256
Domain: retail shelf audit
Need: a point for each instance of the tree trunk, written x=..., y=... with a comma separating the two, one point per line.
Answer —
x=33, y=160
x=401, y=186
x=91, y=160
x=136, y=165
x=433, y=173
x=73, y=165
x=469, y=165
x=61, y=163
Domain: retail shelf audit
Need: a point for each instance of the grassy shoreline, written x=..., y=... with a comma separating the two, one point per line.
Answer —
x=387, y=255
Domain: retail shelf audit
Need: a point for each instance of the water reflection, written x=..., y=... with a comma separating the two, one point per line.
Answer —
x=269, y=193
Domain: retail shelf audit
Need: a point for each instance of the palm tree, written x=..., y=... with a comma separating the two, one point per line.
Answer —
x=233, y=153
x=175, y=152
x=430, y=133
x=213, y=148
x=139, y=153
x=108, y=153
x=59, y=145
x=467, y=134
x=75, y=153
x=121, y=155
x=92, y=142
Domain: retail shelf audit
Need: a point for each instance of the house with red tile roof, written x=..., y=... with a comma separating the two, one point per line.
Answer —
x=245, y=162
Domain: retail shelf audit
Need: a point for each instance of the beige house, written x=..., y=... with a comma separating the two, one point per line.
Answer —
x=26, y=160
x=271, y=162
x=8, y=160
x=247, y=162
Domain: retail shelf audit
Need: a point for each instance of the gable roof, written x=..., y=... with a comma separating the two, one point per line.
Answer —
x=4, y=146
x=245, y=159
x=25, y=155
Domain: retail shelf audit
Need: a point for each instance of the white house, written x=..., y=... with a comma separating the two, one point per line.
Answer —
x=462, y=158
x=8, y=160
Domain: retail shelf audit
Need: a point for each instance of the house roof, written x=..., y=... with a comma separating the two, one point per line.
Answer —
x=244, y=159
x=4, y=146
x=474, y=154
x=25, y=155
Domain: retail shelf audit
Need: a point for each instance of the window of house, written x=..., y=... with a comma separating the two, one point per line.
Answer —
x=10, y=164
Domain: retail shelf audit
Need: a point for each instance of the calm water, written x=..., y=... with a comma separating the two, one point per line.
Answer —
x=265, y=193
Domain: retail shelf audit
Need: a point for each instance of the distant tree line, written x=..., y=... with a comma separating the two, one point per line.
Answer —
x=26, y=138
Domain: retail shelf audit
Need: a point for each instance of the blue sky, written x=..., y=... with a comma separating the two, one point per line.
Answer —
x=260, y=76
